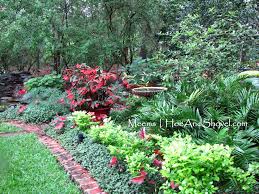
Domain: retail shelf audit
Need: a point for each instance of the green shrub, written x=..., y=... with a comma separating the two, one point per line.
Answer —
x=47, y=81
x=126, y=146
x=148, y=71
x=83, y=120
x=199, y=168
x=43, y=112
x=9, y=113
x=133, y=103
x=43, y=94
x=206, y=172
x=44, y=104
x=200, y=48
x=219, y=101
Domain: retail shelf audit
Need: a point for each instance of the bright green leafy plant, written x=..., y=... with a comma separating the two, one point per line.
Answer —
x=47, y=81
x=83, y=120
x=192, y=168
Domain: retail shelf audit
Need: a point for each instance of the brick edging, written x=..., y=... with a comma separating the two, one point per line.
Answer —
x=77, y=173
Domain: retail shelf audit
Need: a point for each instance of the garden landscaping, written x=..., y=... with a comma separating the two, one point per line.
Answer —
x=194, y=145
x=129, y=97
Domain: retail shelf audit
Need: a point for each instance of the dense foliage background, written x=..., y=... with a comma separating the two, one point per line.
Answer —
x=202, y=33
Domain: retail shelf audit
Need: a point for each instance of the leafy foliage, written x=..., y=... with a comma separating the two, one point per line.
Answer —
x=90, y=88
x=221, y=100
x=43, y=112
x=9, y=113
x=75, y=32
x=83, y=120
x=47, y=81
x=44, y=105
x=139, y=152
x=197, y=168
x=39, y=94
x=131, y=107
x=96, y=158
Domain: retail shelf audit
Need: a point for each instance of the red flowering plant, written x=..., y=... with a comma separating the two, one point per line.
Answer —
x=21, y=109
x=20, y=93
x=60, y=123
x=90, y=88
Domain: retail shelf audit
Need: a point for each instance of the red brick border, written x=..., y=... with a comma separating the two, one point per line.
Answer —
x=77, y=173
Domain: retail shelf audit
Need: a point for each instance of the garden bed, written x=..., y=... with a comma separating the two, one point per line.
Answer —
x=143, y=158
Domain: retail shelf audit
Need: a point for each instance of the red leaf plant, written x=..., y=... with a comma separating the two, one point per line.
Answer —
x=142, y=133
x=21, y=92
x=91, y=88
x=113, y=161
x=59, y=122
x=22, y=108
x=139, y=179
x=157, y=163
x=157, y=152
x=61, y=101
x=173, y=185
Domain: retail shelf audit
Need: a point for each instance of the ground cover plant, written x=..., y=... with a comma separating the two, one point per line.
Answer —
x=40, y=105
x=28, y=167
x=97, y=159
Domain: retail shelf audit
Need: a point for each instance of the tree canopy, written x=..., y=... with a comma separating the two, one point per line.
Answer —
x=104, y=32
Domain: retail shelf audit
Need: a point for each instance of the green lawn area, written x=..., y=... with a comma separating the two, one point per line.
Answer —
x=26, y=166
x=8, y=128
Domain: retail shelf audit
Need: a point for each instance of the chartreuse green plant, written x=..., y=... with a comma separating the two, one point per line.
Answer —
x=193, y=168
x=83, y=120
x=137, y=153
x=187, y=166
x=47, y=81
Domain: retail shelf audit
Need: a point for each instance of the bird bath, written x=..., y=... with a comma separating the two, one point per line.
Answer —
x=148, y=91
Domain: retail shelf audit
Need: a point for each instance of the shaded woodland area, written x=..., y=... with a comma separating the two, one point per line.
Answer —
x=200, y=34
